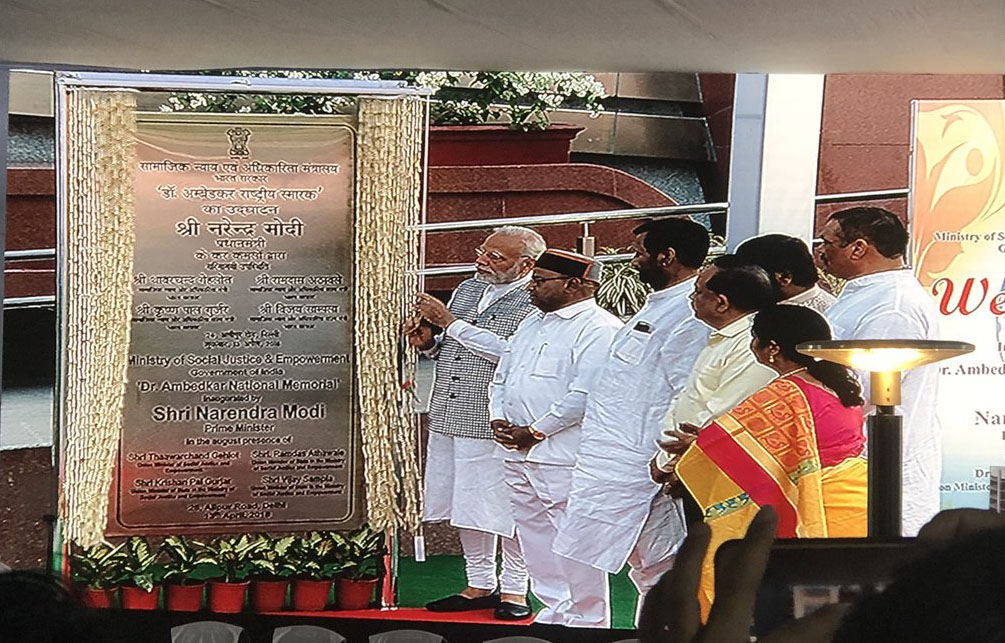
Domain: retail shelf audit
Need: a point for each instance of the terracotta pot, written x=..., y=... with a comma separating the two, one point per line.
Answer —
x=355, y=594
x=499, y=145
x=269, y=595
x=103, y=598
x=227, y=598
x=184, y=598
x=137, y=598
x=311, y=595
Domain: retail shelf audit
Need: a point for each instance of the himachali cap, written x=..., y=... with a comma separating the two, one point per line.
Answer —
x=571, y=264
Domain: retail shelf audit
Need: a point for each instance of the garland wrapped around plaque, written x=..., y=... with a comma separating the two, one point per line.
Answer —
x=230, y=298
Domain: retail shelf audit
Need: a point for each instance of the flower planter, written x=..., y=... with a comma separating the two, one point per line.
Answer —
x=500, y=145
x=269, y=595
x=311, y=595
x=184, y=598
x=227, y=598
x=102, y=598
x=137, y=598
x=355, y=594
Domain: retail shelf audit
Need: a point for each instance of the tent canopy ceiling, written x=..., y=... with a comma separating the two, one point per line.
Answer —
x=809, y=36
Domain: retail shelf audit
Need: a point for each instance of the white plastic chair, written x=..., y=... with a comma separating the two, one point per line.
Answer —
x=407, y=636
x=306, y=634
x=206, y=632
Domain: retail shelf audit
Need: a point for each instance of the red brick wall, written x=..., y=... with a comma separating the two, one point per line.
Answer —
x=31, y=223
x=866, y=128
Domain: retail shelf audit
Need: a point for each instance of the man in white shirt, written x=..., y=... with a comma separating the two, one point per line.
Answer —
x=790, y=266
x=726, y=296
x=616, y=513
x=537, y=400
x=463, y=480
x=883, y=300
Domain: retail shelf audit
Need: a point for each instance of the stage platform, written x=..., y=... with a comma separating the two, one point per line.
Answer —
x=129, y=626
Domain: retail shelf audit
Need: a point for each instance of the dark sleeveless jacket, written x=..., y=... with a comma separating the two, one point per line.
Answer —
x=459, y=405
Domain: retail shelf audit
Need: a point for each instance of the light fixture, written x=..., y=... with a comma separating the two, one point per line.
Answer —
x=885, y=359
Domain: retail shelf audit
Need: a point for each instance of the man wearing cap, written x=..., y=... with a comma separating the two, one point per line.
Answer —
x=616, y=513
x=463, y=478
x=537, y=400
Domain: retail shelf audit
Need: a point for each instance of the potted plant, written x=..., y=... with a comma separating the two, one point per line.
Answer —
x=522, y=100
x=231, y=558
x=361, y=554
x=271, y=570
x=315, y=559
x=183, y=592
x=479, y=118
x=142, y=575
x=96, y=571
x=621, y=292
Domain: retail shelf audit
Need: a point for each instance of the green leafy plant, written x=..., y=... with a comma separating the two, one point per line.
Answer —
x=829, y=282
x=315, y=556
x=184, y=557
x=621, y=292
x=271, y=560
x=97, y=567
x=140, y=564
x=361, y=552
x=716, y=248
x=232, y=557
x=524, y=100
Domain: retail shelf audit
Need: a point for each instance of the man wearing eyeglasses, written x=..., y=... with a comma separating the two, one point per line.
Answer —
x=883, y=300
x=464, y=482
x=537, y=401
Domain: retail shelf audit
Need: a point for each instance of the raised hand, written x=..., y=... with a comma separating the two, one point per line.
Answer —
x=433, y=310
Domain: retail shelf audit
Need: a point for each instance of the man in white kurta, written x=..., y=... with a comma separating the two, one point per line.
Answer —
x=883, y=300
x=463, y=479
x=789, y=264
x=616, y=513
x=537, y=400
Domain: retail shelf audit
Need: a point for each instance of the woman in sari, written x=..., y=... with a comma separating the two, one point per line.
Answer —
x=796, y=444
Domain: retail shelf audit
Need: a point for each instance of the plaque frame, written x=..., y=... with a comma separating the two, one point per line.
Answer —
x=98, y=81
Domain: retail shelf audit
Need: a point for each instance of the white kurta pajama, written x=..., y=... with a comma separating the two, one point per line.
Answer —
x=541, y=382
x=616, y=513
x=464, y=481
x=893, y=305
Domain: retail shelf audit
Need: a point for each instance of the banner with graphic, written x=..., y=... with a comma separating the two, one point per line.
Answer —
x=958, y=254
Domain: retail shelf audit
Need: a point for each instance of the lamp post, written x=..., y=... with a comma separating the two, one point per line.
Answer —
x=885, y=359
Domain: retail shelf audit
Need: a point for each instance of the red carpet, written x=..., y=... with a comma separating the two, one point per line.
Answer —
x=483, y=617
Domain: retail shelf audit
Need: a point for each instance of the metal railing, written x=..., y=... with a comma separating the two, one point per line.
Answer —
x=34, y=301
x=619, y=215
x=872, y=195
x=29, y=255
x=576, y=217
x=483, y=224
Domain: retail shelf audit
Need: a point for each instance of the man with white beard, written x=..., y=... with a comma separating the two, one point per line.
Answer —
x=464, y=482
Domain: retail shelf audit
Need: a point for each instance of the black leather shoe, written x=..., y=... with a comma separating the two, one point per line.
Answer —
x=458, y=603
x=507, y=611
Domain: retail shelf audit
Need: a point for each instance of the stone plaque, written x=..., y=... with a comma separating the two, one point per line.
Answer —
x=239, y=406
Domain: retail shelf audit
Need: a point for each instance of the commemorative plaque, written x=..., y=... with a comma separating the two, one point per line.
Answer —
x=239, y=406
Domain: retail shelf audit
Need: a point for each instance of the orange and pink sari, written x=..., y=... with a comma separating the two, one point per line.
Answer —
x=791, y=445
